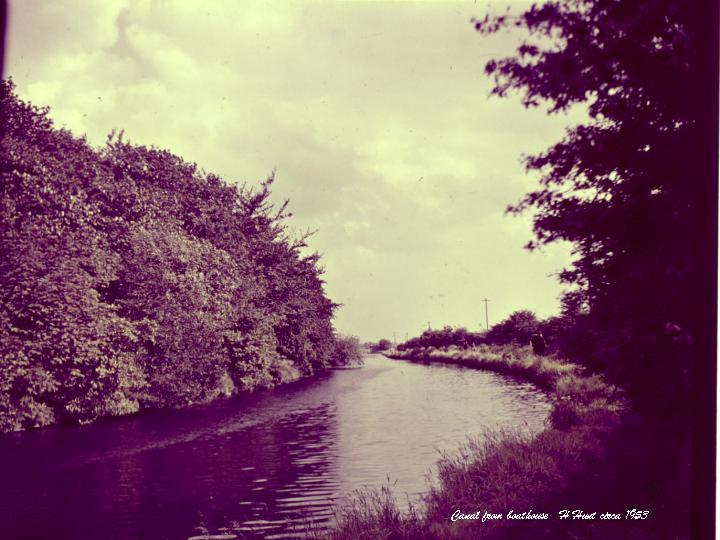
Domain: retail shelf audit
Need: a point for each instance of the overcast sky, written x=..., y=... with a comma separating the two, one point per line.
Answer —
x=376, y=115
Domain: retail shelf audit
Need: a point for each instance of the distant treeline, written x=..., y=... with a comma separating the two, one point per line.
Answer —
x=571, y=335
x=563, y=335
x=130, y=279
x=517, y=329
x=444, y=337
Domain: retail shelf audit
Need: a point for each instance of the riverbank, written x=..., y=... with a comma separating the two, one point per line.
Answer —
x=259, y=465
x=577, y=397
x=594, y=455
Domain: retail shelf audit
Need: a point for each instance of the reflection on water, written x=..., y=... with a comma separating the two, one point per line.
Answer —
x=268, y=464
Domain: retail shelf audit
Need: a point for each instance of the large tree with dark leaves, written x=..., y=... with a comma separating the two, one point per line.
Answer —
x=131, y=279
x=625, y=188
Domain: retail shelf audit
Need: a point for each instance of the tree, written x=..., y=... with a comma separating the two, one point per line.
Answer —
x=348, y=351
x=625, y=188
x=444, y=337
x=129, y=279
x=382, y=345
x=517, y=328
x=67, y=353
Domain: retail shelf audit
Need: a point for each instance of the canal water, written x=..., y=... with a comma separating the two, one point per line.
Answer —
x=269, y=465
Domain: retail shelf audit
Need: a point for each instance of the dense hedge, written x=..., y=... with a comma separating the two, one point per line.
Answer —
x=129, y=278
x=444, y=337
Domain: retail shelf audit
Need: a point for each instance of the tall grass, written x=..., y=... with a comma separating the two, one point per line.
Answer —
x=374, y=513
x=497, y=470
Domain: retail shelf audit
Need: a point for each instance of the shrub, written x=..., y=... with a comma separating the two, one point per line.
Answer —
x=517, y=328
x=445, y=337
x=382, y=345
x=348, y=351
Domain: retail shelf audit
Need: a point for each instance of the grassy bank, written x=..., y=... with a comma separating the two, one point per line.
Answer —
x=577, y=397
x=501, y=471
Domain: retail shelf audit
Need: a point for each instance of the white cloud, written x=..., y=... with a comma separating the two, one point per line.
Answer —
x=376, y=116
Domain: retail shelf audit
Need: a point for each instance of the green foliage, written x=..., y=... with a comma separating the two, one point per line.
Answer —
x=131, y=279
x=382, y=345
x=624, y=188
x=445, y=337
x=184, y=287
x=348, y=351
x=517, y=328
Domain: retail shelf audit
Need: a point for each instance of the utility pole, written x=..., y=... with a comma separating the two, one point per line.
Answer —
x=487, y=324
x=428, y=325
x=394, y=339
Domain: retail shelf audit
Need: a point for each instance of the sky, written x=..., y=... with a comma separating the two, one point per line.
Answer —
x=375, y=115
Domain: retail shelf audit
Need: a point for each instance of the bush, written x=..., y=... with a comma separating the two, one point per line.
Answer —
x=517, y=328
x=382, y=345
x=130, y=278
x=348, y=351
x=445, y=337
